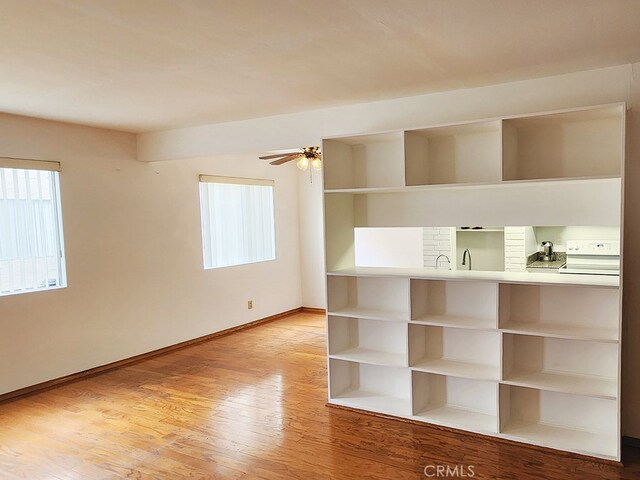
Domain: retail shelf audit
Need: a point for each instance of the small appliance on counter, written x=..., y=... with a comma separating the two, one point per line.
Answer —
x=593, y=257
x=547, y=254
x=546, y=260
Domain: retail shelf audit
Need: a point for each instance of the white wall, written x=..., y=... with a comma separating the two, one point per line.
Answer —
x=307, y=128
x=389, y=247
x=134, y=261
x=311, y=239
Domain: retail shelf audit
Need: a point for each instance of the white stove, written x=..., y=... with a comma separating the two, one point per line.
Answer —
x=593, y=257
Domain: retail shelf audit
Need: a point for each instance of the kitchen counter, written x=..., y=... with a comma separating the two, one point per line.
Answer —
x=560, y=261
x=504, y=277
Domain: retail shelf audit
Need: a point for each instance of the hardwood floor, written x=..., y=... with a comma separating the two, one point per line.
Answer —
x=250, y=405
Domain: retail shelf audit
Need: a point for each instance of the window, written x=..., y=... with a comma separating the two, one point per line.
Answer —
x=238, y=224
x=31, y=247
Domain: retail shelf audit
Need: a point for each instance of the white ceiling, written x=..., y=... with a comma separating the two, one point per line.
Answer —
x=142, y=65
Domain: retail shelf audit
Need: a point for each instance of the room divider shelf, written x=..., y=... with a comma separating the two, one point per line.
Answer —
x=532, y=357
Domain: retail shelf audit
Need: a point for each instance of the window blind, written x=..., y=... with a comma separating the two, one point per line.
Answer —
x=26, y=164
x=31, y=247
x=238, y=224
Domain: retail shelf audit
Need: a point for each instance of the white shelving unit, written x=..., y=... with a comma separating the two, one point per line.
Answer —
x=530, y=357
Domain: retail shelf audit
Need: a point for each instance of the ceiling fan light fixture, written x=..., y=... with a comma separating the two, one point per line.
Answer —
x=303, y=164
x=316, y=163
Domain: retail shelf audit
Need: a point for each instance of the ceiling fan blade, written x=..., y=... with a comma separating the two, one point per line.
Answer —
x=269, y=157
x=286, y=159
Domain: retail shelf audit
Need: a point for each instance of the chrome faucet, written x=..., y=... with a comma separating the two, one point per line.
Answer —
x=464, y=257
x=448, y=261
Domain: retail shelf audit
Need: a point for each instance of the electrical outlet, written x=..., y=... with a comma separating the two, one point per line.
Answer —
x=250, y=304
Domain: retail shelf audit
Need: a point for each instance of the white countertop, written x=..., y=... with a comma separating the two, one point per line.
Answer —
x=504, y=277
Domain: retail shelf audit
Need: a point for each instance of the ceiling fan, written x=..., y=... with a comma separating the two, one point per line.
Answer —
x=308, y=156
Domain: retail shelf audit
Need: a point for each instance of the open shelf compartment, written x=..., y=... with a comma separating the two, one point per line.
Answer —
x=364, y=161
x=466, y=153
x=575, y=423
x=370, y=387
x=374, y=298
x=578, y=144
x=455, y=351
x=460, y=304
x=573, y=312
x=572, y=366
x=457, y=402
x=368, y=341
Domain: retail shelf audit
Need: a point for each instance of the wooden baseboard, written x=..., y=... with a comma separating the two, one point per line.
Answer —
x=491, y=438
x=631, y=442
x=138, y=358
x=318, y=311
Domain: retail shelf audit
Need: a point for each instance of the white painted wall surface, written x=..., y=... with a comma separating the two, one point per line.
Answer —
x=311, y=239
x=389, y=247
x=134, y=260
x=307, y=128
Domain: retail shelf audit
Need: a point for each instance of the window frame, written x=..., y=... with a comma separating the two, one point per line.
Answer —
x=218, y=179
x=56, y=203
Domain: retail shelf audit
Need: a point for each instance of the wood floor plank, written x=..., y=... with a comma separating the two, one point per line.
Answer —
x=250, y=405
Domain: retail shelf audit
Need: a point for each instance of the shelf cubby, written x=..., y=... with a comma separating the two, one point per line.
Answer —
x=458, y=402
x=364, y=161
x=368, y=341
x=553, y=202
x=370, y=387
x=577, y=144
x=373, y=298
x=587, y=313
x=580, y=424
x=454, y=303
x=466, y=153
x=455, y=351
x=571, y=366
